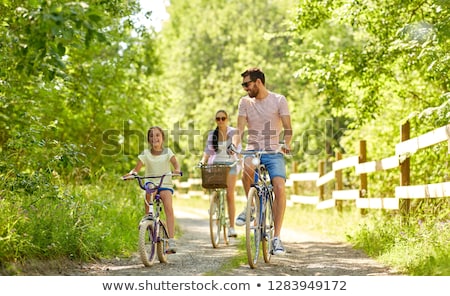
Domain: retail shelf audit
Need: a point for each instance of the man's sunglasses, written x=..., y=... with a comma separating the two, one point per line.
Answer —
x=221, y=118
x=245, y=84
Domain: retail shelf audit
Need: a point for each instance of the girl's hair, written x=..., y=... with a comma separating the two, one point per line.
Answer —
x=215, y=139
x=158, y=128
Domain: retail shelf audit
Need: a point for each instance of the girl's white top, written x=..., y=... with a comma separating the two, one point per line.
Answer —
x=157, y=165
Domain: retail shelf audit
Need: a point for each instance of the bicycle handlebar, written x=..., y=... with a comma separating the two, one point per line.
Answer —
x=233, y=149
x=201, y=165
x=140, y=178
x=136, y=176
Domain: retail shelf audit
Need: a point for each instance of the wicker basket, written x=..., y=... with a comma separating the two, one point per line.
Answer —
x=215, y=176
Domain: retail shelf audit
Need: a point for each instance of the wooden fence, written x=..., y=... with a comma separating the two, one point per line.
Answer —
x=317, y=181
x=400, y=161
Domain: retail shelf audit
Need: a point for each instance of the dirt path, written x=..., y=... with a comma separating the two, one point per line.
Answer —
x=305, y=256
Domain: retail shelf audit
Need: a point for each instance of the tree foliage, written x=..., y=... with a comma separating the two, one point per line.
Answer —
x=79, y=73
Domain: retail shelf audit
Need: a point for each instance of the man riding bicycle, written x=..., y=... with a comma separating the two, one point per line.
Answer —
x=267, y=117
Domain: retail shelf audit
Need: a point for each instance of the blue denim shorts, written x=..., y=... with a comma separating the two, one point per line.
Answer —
x=165, y=188
x=275, y=165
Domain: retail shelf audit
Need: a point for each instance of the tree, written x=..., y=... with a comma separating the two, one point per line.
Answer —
x=78, y=73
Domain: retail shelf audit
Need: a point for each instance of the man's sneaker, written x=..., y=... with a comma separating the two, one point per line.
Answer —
x=277, y=247
x=240, y=220
x=172, y=246
x=232, y=232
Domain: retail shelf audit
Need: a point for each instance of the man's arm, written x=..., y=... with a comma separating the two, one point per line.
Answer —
x=238, y=137
x=286, y=121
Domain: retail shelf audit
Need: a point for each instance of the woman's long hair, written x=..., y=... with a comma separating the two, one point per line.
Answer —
x=215, y=138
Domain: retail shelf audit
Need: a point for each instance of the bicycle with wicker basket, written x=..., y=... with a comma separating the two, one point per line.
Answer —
x=214, y=178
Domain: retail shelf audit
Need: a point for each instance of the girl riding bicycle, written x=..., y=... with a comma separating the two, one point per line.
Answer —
x=216, y=153
x=157, y=160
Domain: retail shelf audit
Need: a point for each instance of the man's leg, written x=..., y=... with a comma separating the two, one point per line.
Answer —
x=279, y=203
x=248, y=174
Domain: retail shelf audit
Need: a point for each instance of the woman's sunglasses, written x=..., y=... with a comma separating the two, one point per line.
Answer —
x=221, y=118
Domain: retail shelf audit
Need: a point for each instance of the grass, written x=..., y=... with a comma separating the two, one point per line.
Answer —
x=415, y=247
x=85, y=222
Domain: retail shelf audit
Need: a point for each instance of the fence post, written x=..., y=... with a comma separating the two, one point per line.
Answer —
x=363, y=177
x=321, y=187
x=339, y=185
x=405, y=204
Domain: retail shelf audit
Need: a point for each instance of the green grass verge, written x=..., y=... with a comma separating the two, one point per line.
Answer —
x=84, y=222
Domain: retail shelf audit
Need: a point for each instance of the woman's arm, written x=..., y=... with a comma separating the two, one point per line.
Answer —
x=205, y=158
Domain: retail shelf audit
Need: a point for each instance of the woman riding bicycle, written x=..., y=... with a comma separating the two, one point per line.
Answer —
x=216, y=153
x=157, y=160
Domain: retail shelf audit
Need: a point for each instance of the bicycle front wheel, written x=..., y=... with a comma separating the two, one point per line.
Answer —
x=252, y=227
x=268, y=228
x=224, y=219
x=214, y=219
x=147, y=242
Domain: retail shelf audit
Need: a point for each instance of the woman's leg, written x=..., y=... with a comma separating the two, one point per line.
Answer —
x=231, y=183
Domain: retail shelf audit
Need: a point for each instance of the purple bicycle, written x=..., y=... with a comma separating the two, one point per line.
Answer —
x=153, y=234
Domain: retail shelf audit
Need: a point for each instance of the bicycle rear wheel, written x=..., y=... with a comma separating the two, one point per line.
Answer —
x=268, y=228
x=163, y=242
x=252, y=227
x=147, y=242
x=214, y=219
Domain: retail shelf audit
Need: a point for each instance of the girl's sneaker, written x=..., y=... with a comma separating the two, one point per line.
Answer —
x=172, y=246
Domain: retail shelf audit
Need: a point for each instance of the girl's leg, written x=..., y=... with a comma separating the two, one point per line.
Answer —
x=166, y=197
x=147, y=198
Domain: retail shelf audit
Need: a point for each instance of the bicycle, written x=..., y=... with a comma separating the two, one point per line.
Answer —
x=259, y=222
x=214, y=178
x=153, y=234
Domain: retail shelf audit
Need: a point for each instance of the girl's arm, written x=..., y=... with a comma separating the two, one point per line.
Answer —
x=175, y=164
x=136, y=169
